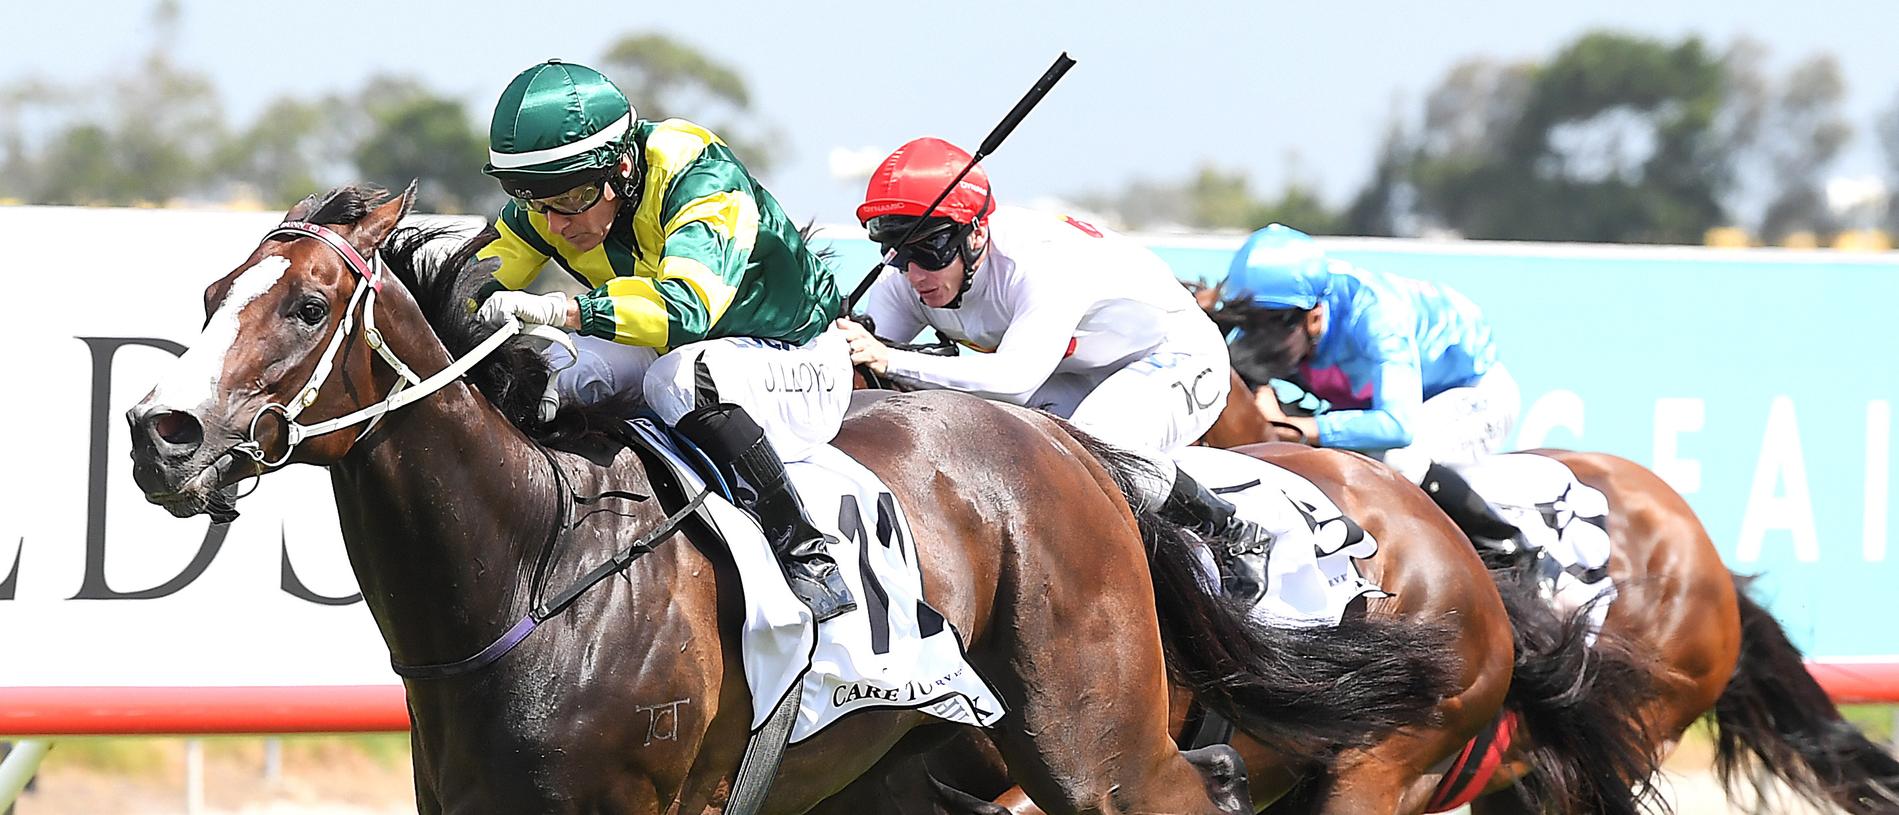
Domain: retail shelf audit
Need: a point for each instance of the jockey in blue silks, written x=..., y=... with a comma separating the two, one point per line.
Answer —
x=1410, y=367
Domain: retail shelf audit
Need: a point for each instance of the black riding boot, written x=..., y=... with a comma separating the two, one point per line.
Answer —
x=736, y=443
x=1239, y=544
x=1467, y=509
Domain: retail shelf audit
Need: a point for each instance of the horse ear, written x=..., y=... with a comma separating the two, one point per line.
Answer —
x=303, y=208
x=375, y=227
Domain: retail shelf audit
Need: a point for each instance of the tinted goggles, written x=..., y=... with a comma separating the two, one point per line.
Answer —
x=570, y=203
x=938, y=242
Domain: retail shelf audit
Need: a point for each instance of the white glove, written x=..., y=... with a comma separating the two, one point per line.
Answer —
x=532, y=309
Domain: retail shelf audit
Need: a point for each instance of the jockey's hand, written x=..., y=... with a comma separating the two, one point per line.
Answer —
x=1300, y=429
x=866, y=350
x=553, y=309
x=1268, y=401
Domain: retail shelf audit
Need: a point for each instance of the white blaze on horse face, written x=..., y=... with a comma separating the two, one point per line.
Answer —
x=192, y=382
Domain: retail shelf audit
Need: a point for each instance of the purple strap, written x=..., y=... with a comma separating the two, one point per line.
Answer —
x=560, y=600
x=495, y=650
x=351, y=257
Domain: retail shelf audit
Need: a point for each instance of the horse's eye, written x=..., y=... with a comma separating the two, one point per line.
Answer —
x=312, y=311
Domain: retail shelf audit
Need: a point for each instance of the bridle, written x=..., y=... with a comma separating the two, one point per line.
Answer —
x=408, y=388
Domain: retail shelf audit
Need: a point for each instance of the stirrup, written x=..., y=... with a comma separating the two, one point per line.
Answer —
x=814, y=576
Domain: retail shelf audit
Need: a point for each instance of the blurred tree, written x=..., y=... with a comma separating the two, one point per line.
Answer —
x=147, y=138
x=1300, y=207
x=664, y=77
x=1219, y=199
x=1214, y=198
x=414, y=133
x=295, y=147
x=1616, y=139
x=1142, y=204
x=1887, y=131
x=1803, y=133
x=1382, y=205
x=22, y=103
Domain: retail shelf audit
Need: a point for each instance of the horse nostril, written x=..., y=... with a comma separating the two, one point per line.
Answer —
x=178, y=428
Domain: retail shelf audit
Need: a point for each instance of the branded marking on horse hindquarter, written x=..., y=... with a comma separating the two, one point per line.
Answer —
x=664, y=724
x=193, y=380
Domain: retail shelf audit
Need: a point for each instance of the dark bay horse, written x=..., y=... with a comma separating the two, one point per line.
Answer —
x=1714, y=650
x=456, y=523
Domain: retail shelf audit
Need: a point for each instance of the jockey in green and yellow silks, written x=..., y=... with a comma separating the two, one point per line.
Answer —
x=681, y=249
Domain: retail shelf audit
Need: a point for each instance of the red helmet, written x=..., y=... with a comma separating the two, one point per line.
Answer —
x=912, y=177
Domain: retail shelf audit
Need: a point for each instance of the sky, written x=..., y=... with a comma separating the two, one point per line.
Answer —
x=1271, y=88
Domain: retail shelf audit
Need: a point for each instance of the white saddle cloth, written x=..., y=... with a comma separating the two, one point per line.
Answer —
x=893, y=651
x=1312, y=573
x=1562, y=519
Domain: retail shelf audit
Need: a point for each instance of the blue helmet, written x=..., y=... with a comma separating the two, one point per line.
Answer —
x=1278, y=267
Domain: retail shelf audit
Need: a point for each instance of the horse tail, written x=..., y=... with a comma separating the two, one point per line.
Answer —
x=1305, y=692
x=1774, y=718
x=1579, y=704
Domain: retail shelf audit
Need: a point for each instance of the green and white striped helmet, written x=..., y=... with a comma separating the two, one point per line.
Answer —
x=557, y=126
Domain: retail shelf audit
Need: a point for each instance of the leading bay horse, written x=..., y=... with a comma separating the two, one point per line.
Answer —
x=457, y=523
x=1715, y=651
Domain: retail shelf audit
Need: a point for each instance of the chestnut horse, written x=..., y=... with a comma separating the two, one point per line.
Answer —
x=1519, y=661
x=1714, y=649
x=457, y=523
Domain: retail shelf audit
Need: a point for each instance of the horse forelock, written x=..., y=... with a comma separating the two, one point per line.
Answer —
x=340, y=206
x=442, y=285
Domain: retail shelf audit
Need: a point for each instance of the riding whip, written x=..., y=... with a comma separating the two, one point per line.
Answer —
x=989, y=145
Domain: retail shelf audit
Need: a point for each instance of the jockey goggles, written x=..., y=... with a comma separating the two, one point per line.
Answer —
x=938, y=243
x=570, y=203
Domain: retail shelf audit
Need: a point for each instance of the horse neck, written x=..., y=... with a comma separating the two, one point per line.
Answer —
x=442, y=506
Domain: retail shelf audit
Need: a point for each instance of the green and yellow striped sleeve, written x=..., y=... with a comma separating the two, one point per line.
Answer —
x=520, y=249
x=709, y=222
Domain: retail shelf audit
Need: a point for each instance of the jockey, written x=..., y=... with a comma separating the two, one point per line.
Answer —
x=1409, y=367
x=1067, y=317
x=683, y=252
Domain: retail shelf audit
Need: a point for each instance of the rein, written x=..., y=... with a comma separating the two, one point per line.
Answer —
x=943, y=347
x=402, y=394
x=557, y=603
x=409, y=389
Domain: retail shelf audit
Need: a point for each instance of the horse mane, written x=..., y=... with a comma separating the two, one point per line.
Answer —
x=443, y=284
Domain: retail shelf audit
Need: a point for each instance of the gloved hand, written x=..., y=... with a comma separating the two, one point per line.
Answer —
x=532, y=309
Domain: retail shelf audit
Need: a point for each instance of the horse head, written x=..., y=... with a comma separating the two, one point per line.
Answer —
x=290, y=330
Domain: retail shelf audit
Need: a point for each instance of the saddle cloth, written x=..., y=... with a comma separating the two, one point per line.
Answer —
x=893, y=651
x=1311, y=571
x=1564, y=521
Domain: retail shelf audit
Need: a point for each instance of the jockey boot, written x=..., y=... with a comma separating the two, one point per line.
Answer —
x=738, y=445
x=1239, y=544
x=1467, y=509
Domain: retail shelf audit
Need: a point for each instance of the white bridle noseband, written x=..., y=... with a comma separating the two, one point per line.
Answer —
x=408, y=388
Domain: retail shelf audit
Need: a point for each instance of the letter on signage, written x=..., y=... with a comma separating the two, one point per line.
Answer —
x=1792, y=510
x=1878, y=478
x=1673, y=417
x=93, y=585
x=1556, y=409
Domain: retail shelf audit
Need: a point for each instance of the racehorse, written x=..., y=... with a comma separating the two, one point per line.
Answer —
x=1524, y=670
x=458, y=523
x=1714, y=649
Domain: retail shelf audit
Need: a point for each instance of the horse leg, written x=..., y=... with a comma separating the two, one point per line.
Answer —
x=1084, y=668
x=1220, y=766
